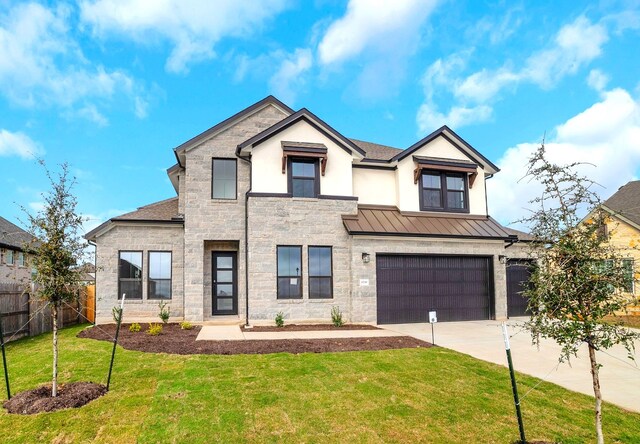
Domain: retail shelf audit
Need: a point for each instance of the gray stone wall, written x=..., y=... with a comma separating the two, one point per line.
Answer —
x=14, y=274
x=208, y=219
x=305, y=222
x=145, y=238
x=364, y=297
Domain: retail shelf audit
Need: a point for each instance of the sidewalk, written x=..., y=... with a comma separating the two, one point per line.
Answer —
x=234, y=333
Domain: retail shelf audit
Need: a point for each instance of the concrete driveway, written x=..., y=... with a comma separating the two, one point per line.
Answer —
x=619, y=376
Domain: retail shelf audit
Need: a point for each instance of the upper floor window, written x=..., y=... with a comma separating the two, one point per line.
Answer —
x=223, y=179
x=440, y=191
x=130, y=274
x=20, y=259
x=8, y=257
x=304, y=178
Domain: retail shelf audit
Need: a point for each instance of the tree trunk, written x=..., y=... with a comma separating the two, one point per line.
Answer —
x=596, y=390
x=54, y=384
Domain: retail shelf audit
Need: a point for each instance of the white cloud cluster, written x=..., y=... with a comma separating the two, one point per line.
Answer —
x=193, y=27
x=574, y=46
x=288, y=80
x=41, y=65
x=607, y=135
x=18, y=144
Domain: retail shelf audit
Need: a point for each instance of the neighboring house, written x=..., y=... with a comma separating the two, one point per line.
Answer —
x=623, y=226
x=14, y=263
x=278, y=212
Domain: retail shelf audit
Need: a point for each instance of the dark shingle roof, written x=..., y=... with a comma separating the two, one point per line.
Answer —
x=522, y=236
x=12, y=235
x=376, y=151
x=626, y=202
x=159, y=211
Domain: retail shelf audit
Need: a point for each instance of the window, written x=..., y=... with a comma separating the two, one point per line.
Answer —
x=303, y=178
x=20, y=259
x=443, y=191
x=8, y=257
x=223, y=182
x=627, y=264
x=320, y=273
x=159, y=282
x=289, y=272
x=130, y=274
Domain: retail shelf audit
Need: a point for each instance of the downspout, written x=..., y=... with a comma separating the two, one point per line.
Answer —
x=246, y=243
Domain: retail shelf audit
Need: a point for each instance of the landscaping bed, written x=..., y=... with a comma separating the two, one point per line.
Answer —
x=308, y=327
x=72, y=395
x=174, y=340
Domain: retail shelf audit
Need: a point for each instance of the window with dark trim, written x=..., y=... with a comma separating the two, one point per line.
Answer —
x=130, y=274
x=289, y=260
x=303, y=177
x=9, y=258
x=159, y=279
x=320, y=273
x=223, y=178
x=444, y=191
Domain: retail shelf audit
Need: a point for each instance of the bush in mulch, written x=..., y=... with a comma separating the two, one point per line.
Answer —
x=72, y=395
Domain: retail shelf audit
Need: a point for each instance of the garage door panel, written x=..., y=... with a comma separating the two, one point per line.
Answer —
x=408, y=287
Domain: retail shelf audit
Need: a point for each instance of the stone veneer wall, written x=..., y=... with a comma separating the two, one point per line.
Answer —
x=364, y=297
x=208, y=219
x=306, y=222
x=138, y=237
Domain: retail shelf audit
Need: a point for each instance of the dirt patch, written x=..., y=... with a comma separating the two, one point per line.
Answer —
x=183, y=342
x=72, y=395
x=309, y=327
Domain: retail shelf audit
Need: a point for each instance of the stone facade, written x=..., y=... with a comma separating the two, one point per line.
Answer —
x=143, y=238
x=303, y=222
x=14, y=273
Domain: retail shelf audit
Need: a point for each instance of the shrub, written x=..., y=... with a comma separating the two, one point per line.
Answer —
x=135, y=327
x=154, y=329
x=165, y=312
x=186, y=325
x=280, y=319
x=116, y=313
x=336, y=316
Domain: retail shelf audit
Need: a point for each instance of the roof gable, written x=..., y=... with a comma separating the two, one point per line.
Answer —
x=625, y=203
x=313, y=120
x=13, y=236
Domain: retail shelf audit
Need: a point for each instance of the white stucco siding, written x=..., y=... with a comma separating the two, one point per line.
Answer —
x=375, y=187
x=266, y=161
x=408, y=191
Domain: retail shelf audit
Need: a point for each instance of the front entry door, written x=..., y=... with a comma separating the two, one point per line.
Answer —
x=225, y=282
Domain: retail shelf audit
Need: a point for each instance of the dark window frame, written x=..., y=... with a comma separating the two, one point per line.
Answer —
x=290, y=177
x=119, y=295
x=170, y=275
x=235, y=194
x=330, y=277
x=278, y=277
x=443, y=191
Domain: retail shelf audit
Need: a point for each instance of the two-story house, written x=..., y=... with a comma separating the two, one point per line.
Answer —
x=14, y=263
x=277, y=211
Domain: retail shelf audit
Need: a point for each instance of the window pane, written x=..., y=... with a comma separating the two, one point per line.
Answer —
x=224, y=169
x=319, y=261
x=320, y=288
x=432, y=199
x=159, y=289
x=628, y=271
x=160, y=265
x=303, y=169
x=224, y=276
x=431, y=181
x=303, y=188
x=289, y=261
x=224, y=179
x=289, y=288
x=455, y=183
x=224, y=262
x=455, y=199
x=224, y=290
x=130, y=265
x=224, y=304
x=132, y=288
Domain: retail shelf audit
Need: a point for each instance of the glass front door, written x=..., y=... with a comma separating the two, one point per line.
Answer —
x=225, y=283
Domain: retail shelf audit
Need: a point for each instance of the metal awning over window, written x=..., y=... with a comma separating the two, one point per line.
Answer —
x=305, y=150
x=440, y=164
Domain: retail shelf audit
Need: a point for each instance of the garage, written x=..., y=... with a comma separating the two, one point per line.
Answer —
x=458, y=288
x=518, y=272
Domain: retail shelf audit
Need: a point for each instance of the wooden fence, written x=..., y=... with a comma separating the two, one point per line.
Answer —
x=23, y=315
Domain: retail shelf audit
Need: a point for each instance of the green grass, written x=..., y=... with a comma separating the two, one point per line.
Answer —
x=416, y=395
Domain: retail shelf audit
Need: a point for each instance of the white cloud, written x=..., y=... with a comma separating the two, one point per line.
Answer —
x=193, y=27
x=288, y=79
x=429, y=118
x=597, y=80
x=607, y=135
x=18, y=144
x=41, y=65
x=574, y=46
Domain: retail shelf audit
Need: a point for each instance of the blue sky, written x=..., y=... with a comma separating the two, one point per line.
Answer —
x=113, y=86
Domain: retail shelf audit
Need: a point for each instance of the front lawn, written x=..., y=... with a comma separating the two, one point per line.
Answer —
x=412, y=395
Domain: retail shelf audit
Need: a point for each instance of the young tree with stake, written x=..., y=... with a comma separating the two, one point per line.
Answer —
x=57, y=250
x=579, y=278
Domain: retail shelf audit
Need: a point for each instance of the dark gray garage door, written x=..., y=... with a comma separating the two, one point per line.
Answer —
x=518, y=272
x=457, y=287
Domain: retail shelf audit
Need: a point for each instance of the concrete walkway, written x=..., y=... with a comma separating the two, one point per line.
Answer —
x=619, y=376
x=234, y=333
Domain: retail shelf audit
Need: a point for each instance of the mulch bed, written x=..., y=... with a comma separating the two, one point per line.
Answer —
x=183, y=342
x=308, y=327
x=72, y=395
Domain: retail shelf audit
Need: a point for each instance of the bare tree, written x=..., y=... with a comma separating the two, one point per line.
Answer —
x=579, y=278
x=57, y=250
